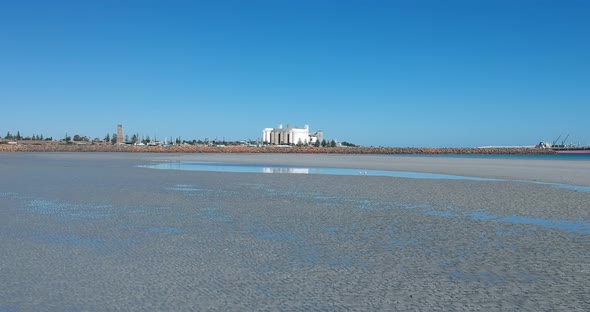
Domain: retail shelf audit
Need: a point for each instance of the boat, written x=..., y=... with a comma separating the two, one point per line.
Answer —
x=564, y=148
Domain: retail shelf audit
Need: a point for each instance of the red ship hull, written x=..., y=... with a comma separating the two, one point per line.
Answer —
x=581, y=150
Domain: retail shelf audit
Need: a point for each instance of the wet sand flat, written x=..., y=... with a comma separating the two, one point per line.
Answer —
x=94, y=231
x=556, y=171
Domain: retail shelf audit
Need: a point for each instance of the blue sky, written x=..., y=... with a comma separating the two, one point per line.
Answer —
x=390, y=73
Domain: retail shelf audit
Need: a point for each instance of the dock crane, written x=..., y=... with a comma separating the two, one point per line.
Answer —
x=563, y=142
x=555, y=142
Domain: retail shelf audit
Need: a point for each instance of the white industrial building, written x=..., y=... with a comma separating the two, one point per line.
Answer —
x=290, y=136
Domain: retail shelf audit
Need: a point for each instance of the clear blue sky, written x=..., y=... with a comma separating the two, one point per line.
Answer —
x=391, y=73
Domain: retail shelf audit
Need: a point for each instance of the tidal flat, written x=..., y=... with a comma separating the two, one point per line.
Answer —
x=100, y=231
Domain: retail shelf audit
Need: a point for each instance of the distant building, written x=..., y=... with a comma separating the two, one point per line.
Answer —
x=120, y=134
x=290, y=136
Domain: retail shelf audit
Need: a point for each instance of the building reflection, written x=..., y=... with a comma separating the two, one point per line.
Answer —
x=286, y=170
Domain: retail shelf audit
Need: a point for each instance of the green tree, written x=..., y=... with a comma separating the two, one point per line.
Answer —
x=18, y=136
x=8, y=136
x=324, y=143
x=114, y=138
x=107, y=138
x=332, y=143
x=77, y=137
x=317, y=143
x=135, y=138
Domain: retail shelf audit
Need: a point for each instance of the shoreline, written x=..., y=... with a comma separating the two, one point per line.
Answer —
x=569, y=172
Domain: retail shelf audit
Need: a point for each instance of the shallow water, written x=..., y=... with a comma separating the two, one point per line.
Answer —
x=254, y=168
x=580, y=227
x=280, y=169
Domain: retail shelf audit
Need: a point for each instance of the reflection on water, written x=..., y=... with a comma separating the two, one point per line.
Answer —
x=285, y=170
x=254, y=168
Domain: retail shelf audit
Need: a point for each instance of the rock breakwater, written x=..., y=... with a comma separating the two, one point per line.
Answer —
x=56, y=147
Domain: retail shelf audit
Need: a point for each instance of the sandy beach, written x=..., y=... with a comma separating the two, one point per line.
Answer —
x=93, y=231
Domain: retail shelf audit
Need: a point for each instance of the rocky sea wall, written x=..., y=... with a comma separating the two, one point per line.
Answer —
x=57, y=147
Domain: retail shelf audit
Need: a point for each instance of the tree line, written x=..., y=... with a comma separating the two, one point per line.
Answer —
x=34, y=137
x=325, y=143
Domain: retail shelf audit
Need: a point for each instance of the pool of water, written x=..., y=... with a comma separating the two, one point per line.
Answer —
x=259, y=168
x=255, y=168
x=577, y=226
